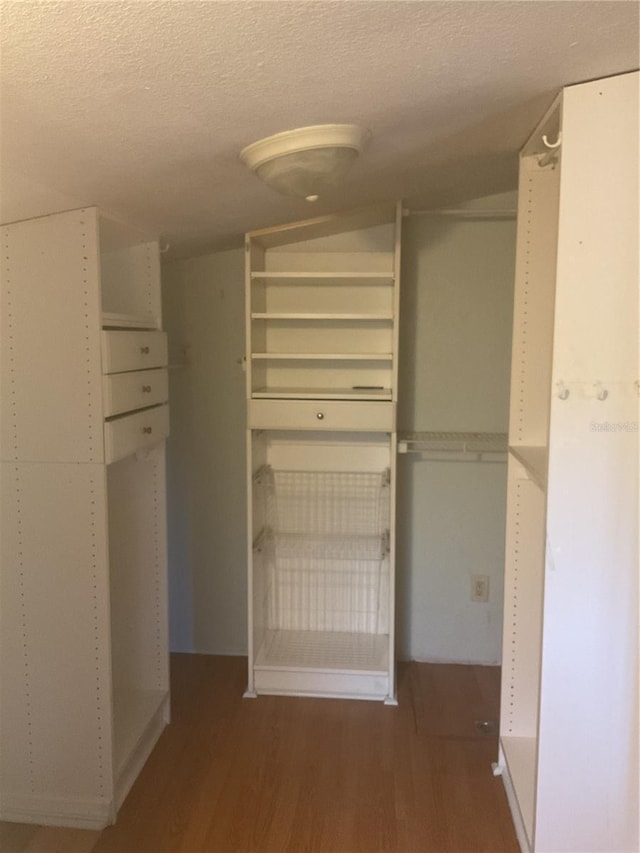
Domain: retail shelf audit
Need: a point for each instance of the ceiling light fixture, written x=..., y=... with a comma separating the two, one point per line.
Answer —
x=307, y=161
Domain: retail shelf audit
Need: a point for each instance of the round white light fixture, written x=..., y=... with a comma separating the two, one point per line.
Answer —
x=306, y=161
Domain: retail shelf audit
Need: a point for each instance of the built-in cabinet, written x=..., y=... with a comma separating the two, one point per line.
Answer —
x=322, y=302
x=83, y=656
x=568, y=732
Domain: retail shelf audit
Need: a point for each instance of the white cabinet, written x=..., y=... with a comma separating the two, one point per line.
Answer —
x=569, y=733
x=322, y=302
x=83, y=655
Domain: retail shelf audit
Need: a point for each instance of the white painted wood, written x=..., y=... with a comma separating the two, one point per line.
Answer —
x=127, y=434
x=125, y=392
x=115, y=320
x=502, y=769
x=51, y=303
x=535, y=461
x=133, y=350
x=362, y=393
x=320, y=415
x=55, y=670
x=83, y=585
x=322, y=302
x=590, y=640
x=573, y=694
x=520, y=754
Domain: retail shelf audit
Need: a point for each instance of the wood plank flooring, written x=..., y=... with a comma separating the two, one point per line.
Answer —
x=292, y=775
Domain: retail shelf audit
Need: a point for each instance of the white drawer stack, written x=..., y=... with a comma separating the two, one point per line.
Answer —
x=135, y=391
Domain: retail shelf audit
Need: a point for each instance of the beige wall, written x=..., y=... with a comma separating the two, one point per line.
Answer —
x=204, y=317
x=455, y=351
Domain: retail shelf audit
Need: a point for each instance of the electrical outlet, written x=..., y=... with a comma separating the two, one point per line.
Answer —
x=479, y=587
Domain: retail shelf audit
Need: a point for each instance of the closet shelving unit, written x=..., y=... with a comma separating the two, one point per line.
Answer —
x=568, y=736
x=84, y=652
x=322, y=331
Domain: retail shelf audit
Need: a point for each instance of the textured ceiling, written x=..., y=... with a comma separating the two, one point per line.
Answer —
x=142, y=107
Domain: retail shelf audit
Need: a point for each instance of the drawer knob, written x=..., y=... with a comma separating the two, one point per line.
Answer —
x=144, y=350
x=147, y=430
x=146, y=388
x=320, y=416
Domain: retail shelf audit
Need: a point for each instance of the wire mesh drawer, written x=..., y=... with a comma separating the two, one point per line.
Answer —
x=326, y=550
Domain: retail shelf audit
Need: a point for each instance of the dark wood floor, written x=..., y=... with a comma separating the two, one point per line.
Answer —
x=290, y=775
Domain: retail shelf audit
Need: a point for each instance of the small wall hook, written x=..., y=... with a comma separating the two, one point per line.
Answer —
x=600, y=391
x=563, y=391
x=552, y=152
x=552, y=145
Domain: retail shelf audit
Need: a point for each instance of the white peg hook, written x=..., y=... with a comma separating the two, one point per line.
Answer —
x=601, y=392
x=563, y=391
x=551, y=145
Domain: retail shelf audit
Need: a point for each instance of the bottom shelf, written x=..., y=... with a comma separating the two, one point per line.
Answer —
x=139, y=717
x=323, y=663
x=519, y=755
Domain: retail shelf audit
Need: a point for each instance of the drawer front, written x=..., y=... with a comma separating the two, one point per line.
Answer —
x=125, y=435
x=133, y=351
x=321, y=414
x=125, y=392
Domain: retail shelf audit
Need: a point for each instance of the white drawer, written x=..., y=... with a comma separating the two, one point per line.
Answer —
x=133, y=351
x=123, y=436
x=126, y=392
x=321, y=414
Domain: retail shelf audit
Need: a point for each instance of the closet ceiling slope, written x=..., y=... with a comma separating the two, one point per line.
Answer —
x=570, y=642
x=322, y=301
x=83, y=652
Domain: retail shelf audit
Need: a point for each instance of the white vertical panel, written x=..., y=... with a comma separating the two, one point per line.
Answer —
x=588, y=769
x=137, y=543
x=524, y=573
x=55, y=655
x=51, y=392
x=533, y=302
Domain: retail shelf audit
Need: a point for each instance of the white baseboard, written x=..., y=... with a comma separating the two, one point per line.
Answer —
x=57, y=811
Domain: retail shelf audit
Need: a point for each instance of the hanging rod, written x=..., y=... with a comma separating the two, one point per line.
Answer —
x=455, y=446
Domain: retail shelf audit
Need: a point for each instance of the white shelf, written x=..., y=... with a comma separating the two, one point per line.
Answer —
x=534, y=459
x=352, y=277
x=322, y=651
x=113, y=320
x=373, y=393
x=133, y=711
x=323, y=356
x=520, y=755
x=455, y=446
x=370, y=318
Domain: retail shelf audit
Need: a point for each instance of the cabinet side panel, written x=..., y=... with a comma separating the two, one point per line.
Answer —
x=533, y=302
x=590, y=652
x=52, y=396
x=137, y=551
x=524, y=564
x=55, y=661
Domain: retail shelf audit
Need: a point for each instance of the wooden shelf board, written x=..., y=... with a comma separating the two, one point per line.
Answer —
x=113, y=320
x=322, y=356
x=353, y=277
x=534, y=459
x=322, y=393
x=317, y=316
x=324, y=651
